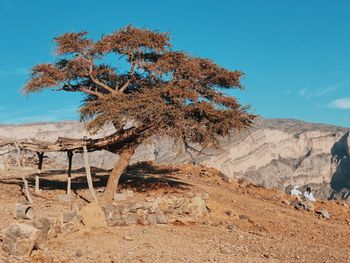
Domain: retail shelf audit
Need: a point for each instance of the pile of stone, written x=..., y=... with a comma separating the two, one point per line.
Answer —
x=24, y=236
x=309, y=206
x=158, y=210
x=303, y=205
x=21, y=238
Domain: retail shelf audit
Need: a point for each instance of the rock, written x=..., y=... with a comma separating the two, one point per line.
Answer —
x=232, y=227
x=151, y=219
x=303, y=205
x=205, y=196
x=285, y=201
x=129, y=193
x=124, y=195
x=44, y=224
x=324, y=213
x=112, y=212
x=68, y=215
x=120, y=197
x=136, y=206
x=65, y=198
x=309, y=206
x=78, y=253
x=161, y=218
x=20, y=239
x=150, y=199
x=228, y=212
x=92, y=216
x=244, y=217
x=196, y=208
x=131, y=219
x=161, y=210
x=128, y=238
x=141, y=212
x=72, y=226
x=297, y=204
x=190, y=195
x=185, y=220
x=225, y=250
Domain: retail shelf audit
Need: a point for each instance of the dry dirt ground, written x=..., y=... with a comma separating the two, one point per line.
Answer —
x=245, y=223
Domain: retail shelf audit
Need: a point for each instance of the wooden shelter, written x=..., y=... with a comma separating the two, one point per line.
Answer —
x=112, y=143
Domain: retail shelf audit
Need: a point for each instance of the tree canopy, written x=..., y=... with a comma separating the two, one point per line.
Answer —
x=132, y=78
x=168, y=91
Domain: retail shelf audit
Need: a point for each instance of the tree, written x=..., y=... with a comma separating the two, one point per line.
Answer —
x=155, y=91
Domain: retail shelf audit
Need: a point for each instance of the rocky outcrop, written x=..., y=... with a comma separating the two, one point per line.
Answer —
x=274, y=153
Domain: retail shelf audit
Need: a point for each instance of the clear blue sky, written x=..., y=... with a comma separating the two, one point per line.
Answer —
x=295, y=54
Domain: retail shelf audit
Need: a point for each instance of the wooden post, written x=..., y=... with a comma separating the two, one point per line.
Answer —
x=26, y=189
x=69, y=179
x=88, y=173
x=18, y=157
x=40, y=167
x=25, y=182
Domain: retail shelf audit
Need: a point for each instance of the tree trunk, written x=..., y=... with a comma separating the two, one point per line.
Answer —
x=119, y=168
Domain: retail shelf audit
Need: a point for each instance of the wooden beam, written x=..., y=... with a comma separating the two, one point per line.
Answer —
x=70, y=144
x=25, y=182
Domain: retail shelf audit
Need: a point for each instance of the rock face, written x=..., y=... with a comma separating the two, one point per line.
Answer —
x=274, y=153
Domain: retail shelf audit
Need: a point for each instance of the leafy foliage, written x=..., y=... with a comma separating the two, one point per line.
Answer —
x=166, y=92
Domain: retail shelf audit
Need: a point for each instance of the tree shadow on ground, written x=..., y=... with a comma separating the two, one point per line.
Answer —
x=139, y=177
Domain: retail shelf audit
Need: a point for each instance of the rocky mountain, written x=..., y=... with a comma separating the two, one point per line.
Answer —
x=277, y=153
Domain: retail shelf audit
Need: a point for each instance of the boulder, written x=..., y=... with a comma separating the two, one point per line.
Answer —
x=324, y=213
x=92, y=216
x=43, y=224
x=68, y=215
x=20, y=239
x=161, y=218
x=309, y=206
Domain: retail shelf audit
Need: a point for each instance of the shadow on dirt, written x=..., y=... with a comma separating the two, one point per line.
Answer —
x=139, y=177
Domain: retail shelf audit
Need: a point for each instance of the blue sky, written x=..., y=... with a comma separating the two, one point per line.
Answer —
x=295, y=54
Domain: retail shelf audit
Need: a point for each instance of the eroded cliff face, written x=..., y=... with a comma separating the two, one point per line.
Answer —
x=275, y=153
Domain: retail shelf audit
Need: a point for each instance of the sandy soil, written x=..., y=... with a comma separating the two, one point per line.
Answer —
x=245, y=224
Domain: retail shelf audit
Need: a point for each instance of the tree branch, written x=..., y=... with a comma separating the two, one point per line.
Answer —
x=122, y=88
x=91, y=92
x=96, y=81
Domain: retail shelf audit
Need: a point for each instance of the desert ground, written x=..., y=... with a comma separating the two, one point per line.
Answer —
x=244, y=223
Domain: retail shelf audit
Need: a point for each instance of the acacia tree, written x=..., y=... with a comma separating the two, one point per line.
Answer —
x=133, y=79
